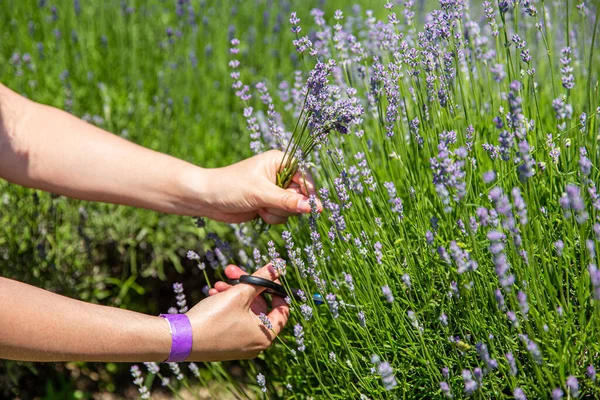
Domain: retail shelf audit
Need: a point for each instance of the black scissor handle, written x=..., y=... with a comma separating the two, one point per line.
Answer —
x=272, y=287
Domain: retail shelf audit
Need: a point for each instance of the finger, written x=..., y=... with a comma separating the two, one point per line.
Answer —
x=279, y=314
x=306, y=182
x=221, y=286
x=270, y=218
x=259, y=305
x=293, y=188
x=282, y=199
x=307, y=186
x=252, y=291
x=212, y=292
x=234, y=272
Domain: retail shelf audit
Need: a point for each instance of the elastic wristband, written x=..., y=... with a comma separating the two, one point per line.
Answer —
x=181, y=336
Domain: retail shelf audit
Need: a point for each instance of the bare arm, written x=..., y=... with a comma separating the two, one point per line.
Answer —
x=45, y=148
x=36, y=325
x=41, y=326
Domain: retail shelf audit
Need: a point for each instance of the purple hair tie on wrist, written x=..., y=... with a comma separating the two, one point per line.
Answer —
x=181, y=336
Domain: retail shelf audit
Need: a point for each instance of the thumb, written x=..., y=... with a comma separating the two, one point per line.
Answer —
x=286, y=200
x=252, y=291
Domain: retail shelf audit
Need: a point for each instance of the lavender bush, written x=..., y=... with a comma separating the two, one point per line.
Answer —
x=457, y=248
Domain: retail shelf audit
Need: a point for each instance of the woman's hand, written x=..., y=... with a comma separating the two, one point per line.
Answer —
x=225, y=325
x=239, y=192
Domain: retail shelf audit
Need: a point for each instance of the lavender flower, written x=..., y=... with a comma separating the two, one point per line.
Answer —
x=448, y=171
x=176, y=370
x=523, y=305
x=378, y=254
x=573, y=386
x=139, y=381
x=571, y=201
x=532, y=348
x=519, y=394
x=595, y=278
x=559, y=245
x=262, y=382
x=333, y=305
x=470, y=384
x=362, y=319
x=387, y=293
x=568, y=80
x=265, y=320
x=446, y=390
x=180, y=297
x=414, y=321
x=490, y=363
x=299, y=335
x=591, y=373
x=306, y=311
x=512, y=364
x=557, y=394
x=489, y=176
x=385, y=371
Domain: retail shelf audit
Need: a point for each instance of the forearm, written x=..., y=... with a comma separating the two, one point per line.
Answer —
x=37, y=325
x=44, y=148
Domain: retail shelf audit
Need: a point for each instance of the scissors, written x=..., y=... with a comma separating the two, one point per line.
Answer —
x=274, y=288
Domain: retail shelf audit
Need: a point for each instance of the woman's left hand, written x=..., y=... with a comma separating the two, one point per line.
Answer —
x=239, y=192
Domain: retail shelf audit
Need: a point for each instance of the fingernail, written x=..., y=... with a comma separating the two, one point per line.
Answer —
x=303, y=205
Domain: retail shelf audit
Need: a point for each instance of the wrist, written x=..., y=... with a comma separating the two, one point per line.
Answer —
x=157, y=338
x=193, y=190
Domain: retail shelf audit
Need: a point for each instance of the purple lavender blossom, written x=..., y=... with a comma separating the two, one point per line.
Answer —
x=448, y=171
x=532, y=348
x=489, y=176
x=500, y=299
x=385, y=371
x=414, y=321
x=490, y=363
x=262, y=382
x=180, y=297
x=429, y=238
x=333, y=305
x=446, y=390
x=523, y=305
x=559, y=245
x=444, y=319
x=362, y=321
x=265, y=320
x=445, y=372
x=470, y=384
x=595, y=278
x=378, y=254
x=387, y=293
x=557, y=394
x=573, y=386
x=306, y=311
x=520, y=205
x=512, y=363
x=568, y=80
x=519, y=394
x=591, y=373
x=571, y=201
x=299, y=335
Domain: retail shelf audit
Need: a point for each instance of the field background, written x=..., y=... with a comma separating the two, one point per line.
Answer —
x=114, y=63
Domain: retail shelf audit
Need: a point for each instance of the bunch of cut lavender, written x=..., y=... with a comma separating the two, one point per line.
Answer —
x=324, y=110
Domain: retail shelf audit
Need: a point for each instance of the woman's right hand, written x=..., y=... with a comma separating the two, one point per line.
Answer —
x=226, y=326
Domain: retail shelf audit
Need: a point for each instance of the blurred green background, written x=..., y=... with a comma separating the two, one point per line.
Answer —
x=156, y=73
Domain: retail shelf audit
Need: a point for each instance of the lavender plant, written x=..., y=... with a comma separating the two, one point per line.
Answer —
x=456, y=252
